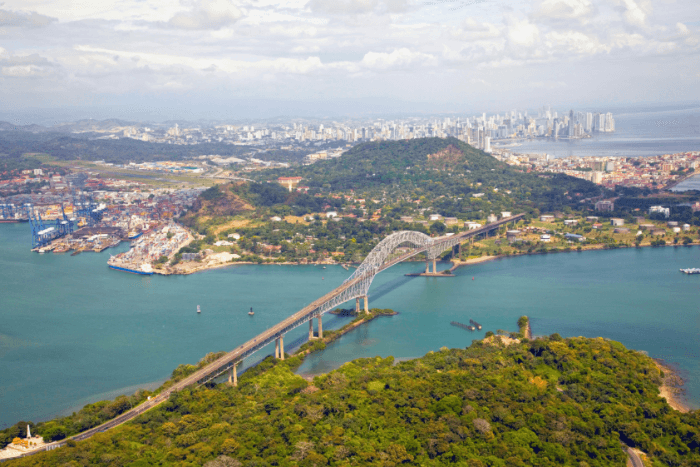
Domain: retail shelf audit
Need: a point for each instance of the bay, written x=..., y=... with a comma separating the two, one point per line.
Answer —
x=72, y=331
x=640, y=132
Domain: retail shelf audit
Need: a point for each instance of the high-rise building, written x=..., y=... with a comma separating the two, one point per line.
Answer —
x=571, y=124
x=609, y=122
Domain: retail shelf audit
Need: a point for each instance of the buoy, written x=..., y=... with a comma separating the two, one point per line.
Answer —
x=472, y=277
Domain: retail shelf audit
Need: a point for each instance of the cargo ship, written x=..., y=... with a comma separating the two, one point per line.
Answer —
x=691, y=271
x=134, y=235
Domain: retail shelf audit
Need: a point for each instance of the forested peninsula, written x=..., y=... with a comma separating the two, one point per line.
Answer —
x=545, y=402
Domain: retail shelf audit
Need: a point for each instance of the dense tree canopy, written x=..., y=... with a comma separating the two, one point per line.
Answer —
x=548, y=402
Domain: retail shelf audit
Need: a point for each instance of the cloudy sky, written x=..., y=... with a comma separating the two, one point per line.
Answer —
x=164, y=59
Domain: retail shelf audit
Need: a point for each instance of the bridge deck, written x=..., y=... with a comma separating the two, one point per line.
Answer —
x=222, y=364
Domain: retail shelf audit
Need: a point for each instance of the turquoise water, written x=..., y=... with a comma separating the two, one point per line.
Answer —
x=72, y=331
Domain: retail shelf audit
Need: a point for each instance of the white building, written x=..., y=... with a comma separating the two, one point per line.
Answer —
x=665, y=211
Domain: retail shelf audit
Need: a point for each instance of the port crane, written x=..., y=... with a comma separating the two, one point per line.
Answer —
x=43, y=232
x=8, y=211
x=87, y=209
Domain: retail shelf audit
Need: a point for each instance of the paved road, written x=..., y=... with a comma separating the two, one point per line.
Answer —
x=634, y=457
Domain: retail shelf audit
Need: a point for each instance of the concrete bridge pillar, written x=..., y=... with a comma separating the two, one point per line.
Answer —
x=427, y=267
x=277, y=348
x=311, y=328
x=320, y=327
x=282, y=347
x=366, y=305
x=434, y=266
x=357, y=304
x=233, y=376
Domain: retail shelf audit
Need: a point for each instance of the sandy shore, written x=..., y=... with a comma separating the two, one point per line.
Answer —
x=670, y=388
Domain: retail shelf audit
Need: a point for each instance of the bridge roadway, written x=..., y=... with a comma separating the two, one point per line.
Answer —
x=227, y=361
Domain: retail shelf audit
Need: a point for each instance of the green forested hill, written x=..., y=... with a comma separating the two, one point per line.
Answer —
x=548, y=402
x=454, y=170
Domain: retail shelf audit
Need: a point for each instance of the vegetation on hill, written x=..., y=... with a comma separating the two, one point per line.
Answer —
x=119, y=151
x=445, y=168
x=376, y=188
x=547, y=402
x=214, y=202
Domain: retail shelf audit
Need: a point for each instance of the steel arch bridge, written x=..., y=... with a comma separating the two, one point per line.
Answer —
x=356, y=286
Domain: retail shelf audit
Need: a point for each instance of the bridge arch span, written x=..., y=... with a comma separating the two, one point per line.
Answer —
x=380, y=253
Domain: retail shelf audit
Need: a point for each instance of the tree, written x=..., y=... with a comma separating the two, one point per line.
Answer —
x=438, y=227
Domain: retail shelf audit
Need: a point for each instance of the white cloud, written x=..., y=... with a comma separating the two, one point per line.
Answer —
x=399, y=58
x=522, y=33
x=342, y=7
x=105, y=58
x=635, y=12
x=471, y=30
x=25, y=66
x=682, y=29
x=357, y=7
x=207, y=14
x=22, y=19
x=324, y=47
x=574, y=43
x=563, y=10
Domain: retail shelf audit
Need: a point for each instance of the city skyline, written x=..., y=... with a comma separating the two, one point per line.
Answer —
x=229, y=59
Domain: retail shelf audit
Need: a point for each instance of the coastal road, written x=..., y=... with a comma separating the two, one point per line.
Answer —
x=634, y=458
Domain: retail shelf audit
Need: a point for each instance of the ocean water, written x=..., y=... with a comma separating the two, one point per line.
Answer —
x=639, y=132
x=72, y=331
x=693, y=183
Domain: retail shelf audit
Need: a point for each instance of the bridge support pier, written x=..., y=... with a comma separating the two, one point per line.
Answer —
x=427, y=267
x=311, y=328
x=366, y=305
x=233, y=376
x=357, y=305
x=277, y=348
x=320, y=327
x=434, y=266
x=282, y=347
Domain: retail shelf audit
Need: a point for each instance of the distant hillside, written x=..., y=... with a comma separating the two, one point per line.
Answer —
x=258, y=199
x=68, y=146
x=441, y=167
x=217, y=201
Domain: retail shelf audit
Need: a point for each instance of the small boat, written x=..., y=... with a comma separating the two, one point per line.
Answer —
x=324, y=267
x=198, y=309
x=251, y=313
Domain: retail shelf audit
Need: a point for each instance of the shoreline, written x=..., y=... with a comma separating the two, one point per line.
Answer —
x=670, y=388
x=455, y=262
